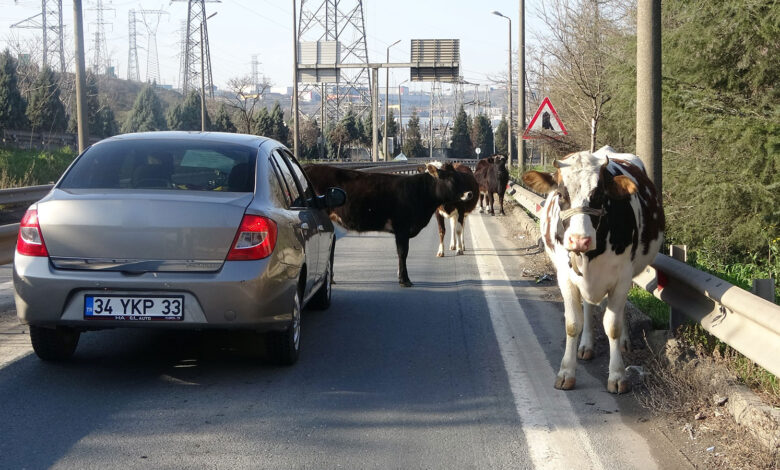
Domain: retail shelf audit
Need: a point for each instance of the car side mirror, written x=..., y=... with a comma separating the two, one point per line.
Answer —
x=335, y=197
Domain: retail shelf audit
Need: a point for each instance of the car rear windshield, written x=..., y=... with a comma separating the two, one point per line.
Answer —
x=155, y=164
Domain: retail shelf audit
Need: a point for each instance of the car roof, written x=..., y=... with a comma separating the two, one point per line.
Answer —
x=216, y=137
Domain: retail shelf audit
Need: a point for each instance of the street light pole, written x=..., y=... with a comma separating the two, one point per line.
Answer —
x=509, y=94
x=387, y=96
x=294, y=106
x=521, y=90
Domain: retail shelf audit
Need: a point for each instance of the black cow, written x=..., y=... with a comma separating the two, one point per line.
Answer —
x=399, y=204
x=457, y=211
x=492, y=177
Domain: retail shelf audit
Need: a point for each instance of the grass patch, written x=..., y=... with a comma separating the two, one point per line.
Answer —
x=748, y=372
x=32, y=167
x=657, y=310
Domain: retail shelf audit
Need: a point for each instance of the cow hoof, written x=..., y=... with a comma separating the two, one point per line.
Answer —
x=460, y=252
x=440, y=254
x=618, y=386
x=586, y=354
x=492, y=213
x=482, y=211
x=405, y=283
x=503, y=213
x=565, y=383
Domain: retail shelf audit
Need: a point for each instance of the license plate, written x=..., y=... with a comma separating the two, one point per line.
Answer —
x=132, y=307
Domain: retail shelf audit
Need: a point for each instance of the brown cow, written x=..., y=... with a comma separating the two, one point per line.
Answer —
x=399, y=204
x=492, y=177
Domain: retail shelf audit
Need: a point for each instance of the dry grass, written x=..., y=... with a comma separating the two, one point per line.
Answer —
x=687, y=384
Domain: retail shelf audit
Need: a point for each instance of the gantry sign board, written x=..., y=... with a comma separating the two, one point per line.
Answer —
x=435, y=60
x=544, y=122
x=325, y=55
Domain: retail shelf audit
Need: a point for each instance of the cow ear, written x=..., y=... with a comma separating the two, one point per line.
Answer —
x=540, y=182
x=432, y=170
x=617, y=187
x=622, y=187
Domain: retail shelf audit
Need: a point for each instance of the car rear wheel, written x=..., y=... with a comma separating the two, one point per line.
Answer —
x=54, y=344
x=284, y=347
x=321, y=299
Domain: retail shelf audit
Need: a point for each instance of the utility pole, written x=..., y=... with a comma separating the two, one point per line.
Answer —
x=387, y=96
x=375, y=114
x=81, y=79
x=202, y=82
x=521, y=90
x=648, y=89
x=430, y=125
x=296, y=136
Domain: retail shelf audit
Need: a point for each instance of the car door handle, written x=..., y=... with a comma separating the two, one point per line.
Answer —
x=304, y=226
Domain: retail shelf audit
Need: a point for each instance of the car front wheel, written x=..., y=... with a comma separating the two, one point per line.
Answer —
x=284, y=347
x=54, y=344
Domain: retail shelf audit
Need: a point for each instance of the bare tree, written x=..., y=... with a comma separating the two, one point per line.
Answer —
x=577, y=48
x=244, y=98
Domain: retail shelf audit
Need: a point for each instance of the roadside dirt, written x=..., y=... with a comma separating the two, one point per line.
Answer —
x=687, y=416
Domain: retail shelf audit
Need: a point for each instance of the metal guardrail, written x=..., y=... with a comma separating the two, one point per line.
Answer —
x=26, y=194
x=744, y=321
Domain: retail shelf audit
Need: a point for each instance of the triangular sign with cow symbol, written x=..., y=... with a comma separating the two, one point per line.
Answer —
x=545, y=121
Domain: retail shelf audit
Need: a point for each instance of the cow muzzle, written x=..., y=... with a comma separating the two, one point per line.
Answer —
x=467, y=196
x=578, y=243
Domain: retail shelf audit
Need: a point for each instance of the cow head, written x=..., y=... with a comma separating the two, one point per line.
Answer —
x=450, y=183
x=580, y=193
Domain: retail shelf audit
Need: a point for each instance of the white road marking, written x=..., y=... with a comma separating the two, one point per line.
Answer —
x=554, y=434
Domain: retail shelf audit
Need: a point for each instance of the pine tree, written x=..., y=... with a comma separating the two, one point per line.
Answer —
x=105, y=122
x=185, y=116
x=461, y=142
x=263, y=123
x=392, y=132
x=279, y=129
x=12, y=105
x=147, y=113
x=222, y=122
x=45, y=111
x=501, y=146
x=413, y=147
x=482, y=132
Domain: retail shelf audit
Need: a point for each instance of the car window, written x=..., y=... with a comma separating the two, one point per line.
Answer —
x=293, y=191
x=299, y=174
x=164, y=164
x=279, y=189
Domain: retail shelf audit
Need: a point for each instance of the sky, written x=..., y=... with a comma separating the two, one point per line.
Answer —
x=243, y=28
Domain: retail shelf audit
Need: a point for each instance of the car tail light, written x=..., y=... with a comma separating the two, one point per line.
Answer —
x=30, y=240
x=256, y=239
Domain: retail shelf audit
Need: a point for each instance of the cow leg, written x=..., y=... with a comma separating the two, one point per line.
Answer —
x=442, y=231
x=402, y=247
x=501, y=202
x=489, y=196
x=586, y=340
x=572, y=304
x=461, y=228
x=614, y=324
x=454, y=229
x=481, y=197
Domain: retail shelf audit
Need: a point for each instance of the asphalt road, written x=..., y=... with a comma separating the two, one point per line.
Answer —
x=456, y=372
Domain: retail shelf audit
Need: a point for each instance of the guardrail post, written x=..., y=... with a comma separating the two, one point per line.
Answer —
x=764, y=288
x=676, y=316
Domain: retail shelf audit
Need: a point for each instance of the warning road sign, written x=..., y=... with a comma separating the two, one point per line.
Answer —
x=545, y=120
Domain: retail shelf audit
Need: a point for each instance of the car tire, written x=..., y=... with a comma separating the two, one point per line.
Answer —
x=321, y=299
x=54, y=344
x=284, y=347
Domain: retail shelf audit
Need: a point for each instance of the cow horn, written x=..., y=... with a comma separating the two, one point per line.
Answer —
x=559, y=164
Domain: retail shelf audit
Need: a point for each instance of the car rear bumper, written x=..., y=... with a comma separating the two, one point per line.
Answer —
x=242, y=295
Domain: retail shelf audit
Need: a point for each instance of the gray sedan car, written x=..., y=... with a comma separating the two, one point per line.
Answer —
x=176, y=230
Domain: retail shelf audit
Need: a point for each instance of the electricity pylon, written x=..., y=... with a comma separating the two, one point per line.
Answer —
x=49, y=21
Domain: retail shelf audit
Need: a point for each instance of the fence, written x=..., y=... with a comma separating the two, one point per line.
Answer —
x=744, y=321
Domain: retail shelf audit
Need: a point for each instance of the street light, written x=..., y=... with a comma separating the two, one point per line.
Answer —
x=203, y=73
x=387, y=95
x=401, y=112
x=509, y=92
